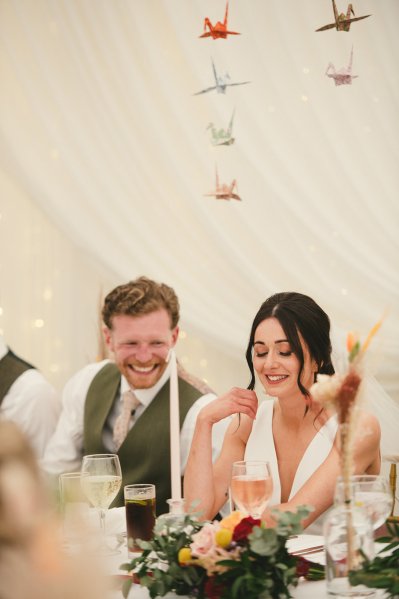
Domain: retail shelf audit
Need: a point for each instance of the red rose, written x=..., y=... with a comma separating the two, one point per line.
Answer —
x=213, y=590
x=244, y=528
x=309, y=570
x=302, y=567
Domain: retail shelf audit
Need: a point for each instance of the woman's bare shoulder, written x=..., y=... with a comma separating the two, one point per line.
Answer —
x=367, y=425
x=369, y=419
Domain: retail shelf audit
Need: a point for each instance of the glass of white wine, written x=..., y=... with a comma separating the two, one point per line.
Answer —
x=101, y=486
x=371, y=492
x=251, y=486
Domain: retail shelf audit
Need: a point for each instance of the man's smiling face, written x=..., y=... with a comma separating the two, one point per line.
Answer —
x=140, y=345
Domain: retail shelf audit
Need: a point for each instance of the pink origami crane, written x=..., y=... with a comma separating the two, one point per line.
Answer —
x=344, y=75
x=219, y=30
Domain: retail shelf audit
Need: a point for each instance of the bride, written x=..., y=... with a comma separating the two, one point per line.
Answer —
x=289, y=345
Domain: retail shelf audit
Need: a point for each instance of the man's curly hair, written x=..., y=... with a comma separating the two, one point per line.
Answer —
x=138, y=297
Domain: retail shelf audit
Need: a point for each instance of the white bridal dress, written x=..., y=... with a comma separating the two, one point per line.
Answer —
x=374, y=399
x=260, y=446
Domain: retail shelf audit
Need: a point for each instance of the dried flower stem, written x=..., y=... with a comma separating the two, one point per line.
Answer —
x=346, y=469
x=346, y=400
x=371, y=335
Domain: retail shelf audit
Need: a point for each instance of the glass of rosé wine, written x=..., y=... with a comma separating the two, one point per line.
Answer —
x=251, y=486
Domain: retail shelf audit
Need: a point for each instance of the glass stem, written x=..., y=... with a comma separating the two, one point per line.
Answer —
x=102, y=524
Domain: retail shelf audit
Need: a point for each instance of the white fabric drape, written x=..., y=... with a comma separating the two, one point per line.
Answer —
x=101, y=130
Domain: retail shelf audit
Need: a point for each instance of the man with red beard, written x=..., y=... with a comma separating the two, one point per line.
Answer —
x=141, y=326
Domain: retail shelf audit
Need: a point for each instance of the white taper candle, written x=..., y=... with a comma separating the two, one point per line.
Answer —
x=174, y=429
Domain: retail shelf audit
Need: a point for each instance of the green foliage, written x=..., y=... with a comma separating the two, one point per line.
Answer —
x=354, y=352
x=158, y=568
x=262, y=568
x=266, y=569
x=383, y=571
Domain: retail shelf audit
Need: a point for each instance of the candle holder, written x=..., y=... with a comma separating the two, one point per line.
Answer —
x=342, y=524
x=176, y=515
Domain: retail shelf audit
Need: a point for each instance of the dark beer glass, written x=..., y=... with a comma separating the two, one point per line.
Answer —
x=140, y=515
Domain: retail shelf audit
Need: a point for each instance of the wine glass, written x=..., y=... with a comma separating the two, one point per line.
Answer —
x=251, y=486
x=102, y=486
x=371, y=492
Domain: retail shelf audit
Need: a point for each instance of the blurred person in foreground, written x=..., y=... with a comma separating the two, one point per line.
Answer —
x=32, y=561
x=122, y=405
x=27, y=399
x=289, y=345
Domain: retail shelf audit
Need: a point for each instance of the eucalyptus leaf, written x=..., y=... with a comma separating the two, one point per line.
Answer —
x=263, y=541
x=126, y=587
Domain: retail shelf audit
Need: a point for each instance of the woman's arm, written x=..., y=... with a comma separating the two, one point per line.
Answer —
x=204, y=481
x=318, y=491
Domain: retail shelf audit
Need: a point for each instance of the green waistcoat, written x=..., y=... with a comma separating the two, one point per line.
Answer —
x=145, y=453
x=11, y=367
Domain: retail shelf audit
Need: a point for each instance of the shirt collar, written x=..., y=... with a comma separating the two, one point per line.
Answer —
x=147, y=395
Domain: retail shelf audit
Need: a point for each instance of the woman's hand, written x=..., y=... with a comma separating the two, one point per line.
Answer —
x=235, y=401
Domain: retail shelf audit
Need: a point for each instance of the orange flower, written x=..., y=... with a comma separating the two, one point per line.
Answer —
x=351, y=340
x=231, y=521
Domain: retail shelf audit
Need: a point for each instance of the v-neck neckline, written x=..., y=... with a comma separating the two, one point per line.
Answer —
x=330, y=426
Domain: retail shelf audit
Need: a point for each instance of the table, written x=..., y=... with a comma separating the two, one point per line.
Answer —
x=304, y=590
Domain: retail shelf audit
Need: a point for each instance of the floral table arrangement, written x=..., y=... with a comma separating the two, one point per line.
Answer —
x=350, y=567
x=341, y=391
x=383, y=571
x=235, y=558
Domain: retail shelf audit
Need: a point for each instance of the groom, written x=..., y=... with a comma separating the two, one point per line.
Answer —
x=122, y=405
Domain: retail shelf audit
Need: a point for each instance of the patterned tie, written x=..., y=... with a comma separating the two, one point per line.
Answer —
x=121, y=427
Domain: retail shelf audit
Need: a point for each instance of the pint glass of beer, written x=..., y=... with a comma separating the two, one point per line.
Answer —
x=140, y=515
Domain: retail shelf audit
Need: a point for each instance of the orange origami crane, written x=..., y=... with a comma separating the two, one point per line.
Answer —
x=220, y=29
x=224, y=191
x=342, y=22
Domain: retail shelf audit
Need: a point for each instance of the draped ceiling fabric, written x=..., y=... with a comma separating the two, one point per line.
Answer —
x=101, y=128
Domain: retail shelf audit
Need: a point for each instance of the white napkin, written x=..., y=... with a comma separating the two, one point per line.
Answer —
x=115, y=521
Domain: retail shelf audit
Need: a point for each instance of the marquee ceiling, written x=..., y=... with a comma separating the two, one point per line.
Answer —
x=101, y=128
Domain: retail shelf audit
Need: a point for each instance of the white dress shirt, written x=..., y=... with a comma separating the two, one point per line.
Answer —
x=33, y=404
x=65, y=449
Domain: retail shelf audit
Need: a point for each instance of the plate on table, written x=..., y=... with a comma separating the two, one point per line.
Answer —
x=311, y=547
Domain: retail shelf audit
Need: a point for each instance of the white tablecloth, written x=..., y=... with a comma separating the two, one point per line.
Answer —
x=305, y=590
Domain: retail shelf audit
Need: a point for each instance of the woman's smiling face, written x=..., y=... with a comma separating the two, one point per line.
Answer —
x=275, y=363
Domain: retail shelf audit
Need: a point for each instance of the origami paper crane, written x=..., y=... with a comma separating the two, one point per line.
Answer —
x=224, y=191
x=344, y=75
x=219, y=30
x=220, y=83
x=222, y=137
x=342, y=21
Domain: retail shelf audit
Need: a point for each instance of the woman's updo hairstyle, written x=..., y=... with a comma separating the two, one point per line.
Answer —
x=297, y=314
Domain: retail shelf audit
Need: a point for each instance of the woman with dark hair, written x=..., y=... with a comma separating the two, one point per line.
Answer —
x=289, y=345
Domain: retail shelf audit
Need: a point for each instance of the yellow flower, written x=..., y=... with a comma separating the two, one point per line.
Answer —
x=184, y=555
x=223, y=537
x=231, y=521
